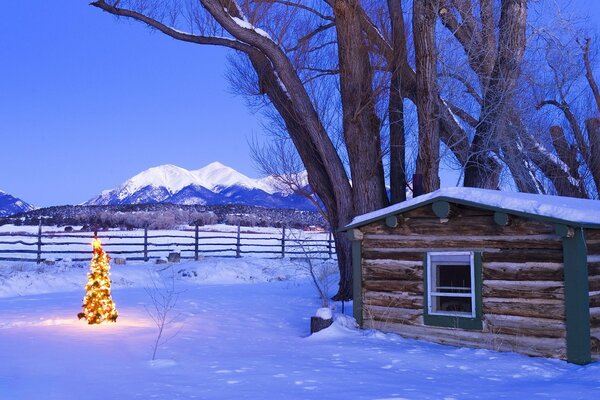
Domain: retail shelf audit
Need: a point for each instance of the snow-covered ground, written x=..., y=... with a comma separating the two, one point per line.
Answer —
x=241, y=333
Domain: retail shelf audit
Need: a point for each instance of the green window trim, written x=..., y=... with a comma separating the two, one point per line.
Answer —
x=451, y=321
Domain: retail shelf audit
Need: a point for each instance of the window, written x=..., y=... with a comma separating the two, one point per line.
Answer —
x=453, y=289
x=450, y=284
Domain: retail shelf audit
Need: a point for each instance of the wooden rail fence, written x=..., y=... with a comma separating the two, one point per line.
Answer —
x=143, y=246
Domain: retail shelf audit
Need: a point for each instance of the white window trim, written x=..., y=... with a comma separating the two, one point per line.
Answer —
x=431, y=294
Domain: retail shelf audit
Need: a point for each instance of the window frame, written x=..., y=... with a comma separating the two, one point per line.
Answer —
x=431, y=264
x=453, y=319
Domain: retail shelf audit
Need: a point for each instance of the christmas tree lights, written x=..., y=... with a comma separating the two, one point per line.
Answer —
x=98, y=305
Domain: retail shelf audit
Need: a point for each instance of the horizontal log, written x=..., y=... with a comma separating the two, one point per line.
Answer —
x=537, y=308
x=595, y=299
x=394, y=255
x=591, y=234
x=593, y=246
x=393, y=314
x=523, y=289
x=595, y=317
x=595, y=336
x=451, y=240
x=534, y=346
x=526, y=271
x=393, y=299
x=459, y=211
x=594, y=283
x=415, y=287
x=523, y=256
x=489, y=254
x=460, y=225
x=525, y=326
x=593, y=266
x=392, y=269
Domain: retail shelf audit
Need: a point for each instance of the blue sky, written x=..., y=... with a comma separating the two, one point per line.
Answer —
x=87, y=101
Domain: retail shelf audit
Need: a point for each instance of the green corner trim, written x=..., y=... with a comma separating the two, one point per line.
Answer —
x=357, y=281
x=447, y=321
x=577, y=301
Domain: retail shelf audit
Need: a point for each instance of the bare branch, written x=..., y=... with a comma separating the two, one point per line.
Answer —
x=167, y=30
x=589, y=75
x=572, y=119
x=470, y=88
x=300, y=6
x=306, y=38
x=462, y=114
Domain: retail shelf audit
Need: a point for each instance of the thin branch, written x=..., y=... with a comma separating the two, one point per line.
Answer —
x=167, y=30
x=462, y=114
x=301, y=6
x=572, y=119
x=588, y=73
x=470, y=88
x=303, y=40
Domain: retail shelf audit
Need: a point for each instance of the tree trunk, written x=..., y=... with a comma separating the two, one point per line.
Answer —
x=360, y=122
x=396, y=105
x=339, y=209
x=482, y=168
x=424, y=19
x=592, y=126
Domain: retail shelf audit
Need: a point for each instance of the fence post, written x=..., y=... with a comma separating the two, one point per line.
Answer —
x=145, y=244
x=238, y=243
x=283, y=242
x=39, y=242
x=196, y=244
x=329, y=247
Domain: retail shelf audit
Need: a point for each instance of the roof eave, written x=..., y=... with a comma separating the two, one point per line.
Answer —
x=472, y=204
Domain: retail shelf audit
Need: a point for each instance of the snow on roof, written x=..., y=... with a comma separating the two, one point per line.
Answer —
x=565, y=209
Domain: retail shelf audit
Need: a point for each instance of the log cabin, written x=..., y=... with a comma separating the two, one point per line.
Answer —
x=482, y=268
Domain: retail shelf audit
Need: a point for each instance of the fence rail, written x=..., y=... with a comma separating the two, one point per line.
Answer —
x=190, y=244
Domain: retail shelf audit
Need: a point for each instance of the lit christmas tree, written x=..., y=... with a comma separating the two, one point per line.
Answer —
x=98, y=305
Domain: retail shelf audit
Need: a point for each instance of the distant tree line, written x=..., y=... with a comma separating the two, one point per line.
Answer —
x=165, y=216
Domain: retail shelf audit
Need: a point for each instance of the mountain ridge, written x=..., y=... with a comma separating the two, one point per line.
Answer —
x=10, y=204
x=212, y=184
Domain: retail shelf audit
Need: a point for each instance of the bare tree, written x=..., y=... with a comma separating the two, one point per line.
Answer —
x=279, y=160
x=163, y=296
x=577, y=141
x=324, y=70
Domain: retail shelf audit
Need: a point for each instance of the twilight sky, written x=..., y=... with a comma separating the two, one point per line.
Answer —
x=87, y=101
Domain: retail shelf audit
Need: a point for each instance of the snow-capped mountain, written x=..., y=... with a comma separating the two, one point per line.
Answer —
x=11, y=205
x=213, y=184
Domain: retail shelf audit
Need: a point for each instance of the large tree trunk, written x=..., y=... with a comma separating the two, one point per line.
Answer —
x=424, y=19
x=482, y=168
x=360, y=122
x=396, y=106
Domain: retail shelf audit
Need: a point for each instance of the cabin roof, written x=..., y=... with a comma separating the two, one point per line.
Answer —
x=555, y=209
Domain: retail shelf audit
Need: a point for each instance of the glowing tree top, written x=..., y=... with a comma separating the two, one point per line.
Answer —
x=98, y=305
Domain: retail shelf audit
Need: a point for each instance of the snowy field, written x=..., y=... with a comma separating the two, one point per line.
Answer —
x=241, y=333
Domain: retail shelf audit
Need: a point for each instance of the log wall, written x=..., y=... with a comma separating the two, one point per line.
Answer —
x=523, y=291
x=593, y=247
